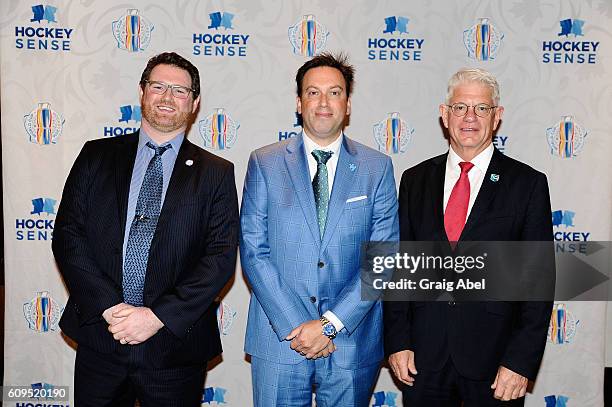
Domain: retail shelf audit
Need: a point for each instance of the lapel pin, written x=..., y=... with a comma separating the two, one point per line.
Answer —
x=189, y=163
x=352, y=166
x=494, y=177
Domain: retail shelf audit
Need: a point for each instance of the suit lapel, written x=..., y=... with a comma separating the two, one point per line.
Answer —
x=297, y=167
x=179, y=180
x=490, y=186
x=124, y=165
x=343, y=181
x=437, y=192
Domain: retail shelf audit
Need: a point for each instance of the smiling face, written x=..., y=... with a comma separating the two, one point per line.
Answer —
x=165, y=116
x=471, y=134
x=323, y=104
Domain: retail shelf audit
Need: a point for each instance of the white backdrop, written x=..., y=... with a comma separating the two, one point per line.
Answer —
x=70, y=71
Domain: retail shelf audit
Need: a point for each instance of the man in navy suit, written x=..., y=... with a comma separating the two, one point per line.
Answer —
x=145, y=238
x=309, y=203
x=476, y=353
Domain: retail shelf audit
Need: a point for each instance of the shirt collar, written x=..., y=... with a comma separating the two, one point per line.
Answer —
x=176, y=142
x=310, y=145
x=481, y=161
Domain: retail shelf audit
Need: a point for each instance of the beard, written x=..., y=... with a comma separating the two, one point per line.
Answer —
x=165, y=123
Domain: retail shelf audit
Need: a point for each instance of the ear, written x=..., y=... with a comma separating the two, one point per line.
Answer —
x=348, y=106
x=196, y=103
x=298, y=103
x=499, y=112
x=140, y=91
x=444, y=114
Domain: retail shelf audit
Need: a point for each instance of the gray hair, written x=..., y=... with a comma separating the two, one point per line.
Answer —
x=478, y=75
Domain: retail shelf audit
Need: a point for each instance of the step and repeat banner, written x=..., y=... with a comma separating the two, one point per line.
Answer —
x=70, y=72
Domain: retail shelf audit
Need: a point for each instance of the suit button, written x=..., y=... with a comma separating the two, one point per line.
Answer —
x=320, y=264
x=313, y=299
x=451, y=303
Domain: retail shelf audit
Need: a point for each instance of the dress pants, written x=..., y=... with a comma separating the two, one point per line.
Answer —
x=118, y=379
x=284, y=385
x=447, y=388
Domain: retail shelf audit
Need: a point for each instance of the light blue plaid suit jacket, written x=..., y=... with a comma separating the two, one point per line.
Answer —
x=281, y=250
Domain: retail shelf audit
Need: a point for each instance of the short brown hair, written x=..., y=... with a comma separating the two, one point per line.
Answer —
x=339, y=61
x=174, y=59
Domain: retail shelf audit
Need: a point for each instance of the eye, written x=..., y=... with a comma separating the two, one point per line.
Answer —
x=482, y=108
x=157, y=86
x=335, y=93
x=459, y=107
x=312, y=92
x=181, y=91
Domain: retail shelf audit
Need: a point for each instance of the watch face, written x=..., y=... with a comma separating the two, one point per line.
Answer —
x=329, y=329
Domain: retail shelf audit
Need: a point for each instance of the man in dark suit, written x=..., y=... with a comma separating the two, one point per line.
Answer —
x=478, y=353
x=145, y=238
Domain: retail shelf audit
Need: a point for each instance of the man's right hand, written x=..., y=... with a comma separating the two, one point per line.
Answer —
x=308, y=340
x=108, y=313
x=402, y=365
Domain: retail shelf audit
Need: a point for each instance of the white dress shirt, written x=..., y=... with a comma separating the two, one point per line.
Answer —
x=476, y=174
x=332, y=163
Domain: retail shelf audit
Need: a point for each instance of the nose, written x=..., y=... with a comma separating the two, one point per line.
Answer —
x=167, y=95
x=470, y=116
x=323, y=100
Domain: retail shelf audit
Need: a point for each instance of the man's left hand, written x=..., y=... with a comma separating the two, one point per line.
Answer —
x=137, y=324
x=328, y=350
x=509, y=385
x=307, y=339
x=108, y=313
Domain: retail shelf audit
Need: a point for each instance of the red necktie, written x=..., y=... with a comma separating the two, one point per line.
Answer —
x=457, y=207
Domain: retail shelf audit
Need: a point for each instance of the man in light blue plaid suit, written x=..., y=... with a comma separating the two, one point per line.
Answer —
x=308, y=205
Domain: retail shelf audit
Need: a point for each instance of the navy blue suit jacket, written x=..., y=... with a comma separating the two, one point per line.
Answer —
x=478, y=336
x=192, y=254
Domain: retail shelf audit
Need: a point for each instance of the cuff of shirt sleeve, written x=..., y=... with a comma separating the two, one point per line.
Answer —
x=331, y=317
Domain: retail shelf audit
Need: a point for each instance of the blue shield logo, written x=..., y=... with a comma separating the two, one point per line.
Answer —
x=40, y=12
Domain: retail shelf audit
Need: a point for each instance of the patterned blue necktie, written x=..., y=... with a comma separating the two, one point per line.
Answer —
x=320, y=186
x=143, y=227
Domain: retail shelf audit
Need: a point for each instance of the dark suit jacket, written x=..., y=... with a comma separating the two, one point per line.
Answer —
x=478, y=336
x=192, y=255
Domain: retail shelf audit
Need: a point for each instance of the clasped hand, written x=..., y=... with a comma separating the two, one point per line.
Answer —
x=308, y=340
x=131, y=325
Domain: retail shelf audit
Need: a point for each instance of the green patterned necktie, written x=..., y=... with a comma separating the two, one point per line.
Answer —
x=320, y=186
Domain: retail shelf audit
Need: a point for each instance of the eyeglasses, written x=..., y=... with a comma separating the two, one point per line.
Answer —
x=480, y=110
x=178, y=91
